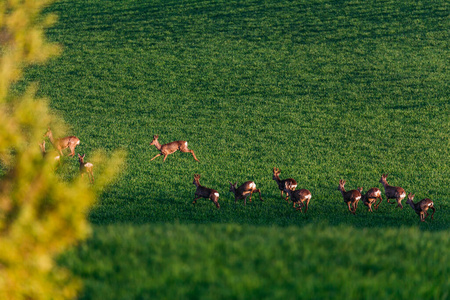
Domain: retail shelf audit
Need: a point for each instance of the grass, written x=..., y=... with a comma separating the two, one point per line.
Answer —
x=322, y=90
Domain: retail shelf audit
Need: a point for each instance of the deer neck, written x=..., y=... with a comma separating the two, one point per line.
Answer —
x=157, y=145
x=50, y=137
x=277, y=179
x=412, y=204
x=385, y=184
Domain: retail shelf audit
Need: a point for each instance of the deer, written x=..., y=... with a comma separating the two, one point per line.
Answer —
x=204, y=192
x=370, y=198
x=299, y=197
x=44, y=153
x=66, y=142
x=244, y=190
x=292, y=184
x=86, y=167
x=421, y=207
x=351, y=197
x=393, y=192
x=170, y=148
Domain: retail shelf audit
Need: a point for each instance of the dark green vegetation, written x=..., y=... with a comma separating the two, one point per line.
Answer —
x=323, y=90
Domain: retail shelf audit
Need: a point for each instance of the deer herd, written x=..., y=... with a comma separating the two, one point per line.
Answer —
x=68, y=142
x=288, y=187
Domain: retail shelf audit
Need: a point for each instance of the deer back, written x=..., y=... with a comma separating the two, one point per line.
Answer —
x=67, y=141
x=392, y=191
x=173, y=146
x=203, y=191
x=246, y=186
x=301, y=195
x=372, y=193
x=425, y=204
x=352, y=196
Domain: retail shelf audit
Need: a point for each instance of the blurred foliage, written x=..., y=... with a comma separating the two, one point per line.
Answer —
x=40, y=214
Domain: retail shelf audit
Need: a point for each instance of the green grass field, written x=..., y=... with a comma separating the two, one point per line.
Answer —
x=323, y=90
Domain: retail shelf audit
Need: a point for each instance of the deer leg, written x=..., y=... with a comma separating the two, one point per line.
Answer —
x=422, y=217
x=193, y=154
x=307, y=204
x=376, y=205
x=72, y=151
x=156, y=156
x=348, y=204
x=399, y=203
x=433, y=212
x=250, y=199
x=195, y=200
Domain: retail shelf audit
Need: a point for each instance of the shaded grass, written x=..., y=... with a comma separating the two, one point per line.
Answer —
x=240, y=262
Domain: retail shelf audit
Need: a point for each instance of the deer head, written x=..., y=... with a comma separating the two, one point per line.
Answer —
x=410, y=198
x=155, y=140
x=341, y=185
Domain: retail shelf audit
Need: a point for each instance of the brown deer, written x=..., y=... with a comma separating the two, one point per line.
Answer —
x=292, y=184
x=66, y=142
x=245, y=190
x=44, y=153
x=392, y=192
x=170, y=148
x=86, y=167
x=204, y=192
x=421, y=207
x=299, y=197
x=351, y=197
x=370, y=198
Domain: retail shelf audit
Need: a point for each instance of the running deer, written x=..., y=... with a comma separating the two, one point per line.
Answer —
x=66, y=142
x=291, y=183
x=170, y=148
x=370, y=198
x=421, y=207
x=44, y=153
x=299, y=197
x=351, y=197
x=392, y=192
x=86, y=167
x=245, y=190
x=204, y=192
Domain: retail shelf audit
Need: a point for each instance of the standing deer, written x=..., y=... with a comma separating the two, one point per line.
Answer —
x=170, y=148
x=44, y=153
x=351, y=197
x=60, y=144
x=392, y=192
x=421, y=207
x=86, y=167
x=299, y=197
x=291, y=183
x=245, y=190
x=204, y=192
x=371, y=197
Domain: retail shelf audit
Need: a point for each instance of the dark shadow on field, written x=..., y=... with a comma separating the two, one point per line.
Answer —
x=159, y=208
